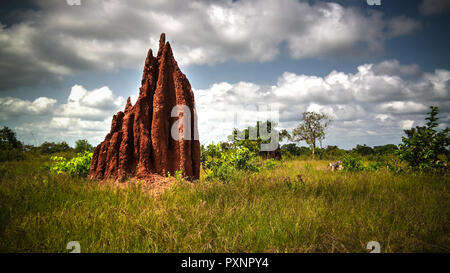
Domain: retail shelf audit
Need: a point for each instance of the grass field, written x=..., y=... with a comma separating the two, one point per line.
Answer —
x=268, y=211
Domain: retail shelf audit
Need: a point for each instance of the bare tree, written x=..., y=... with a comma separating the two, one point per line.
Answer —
x=312, y=129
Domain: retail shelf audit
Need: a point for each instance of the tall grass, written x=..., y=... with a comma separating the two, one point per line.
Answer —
x=268, y=211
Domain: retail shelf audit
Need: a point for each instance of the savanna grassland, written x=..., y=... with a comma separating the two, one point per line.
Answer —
x=267, y=211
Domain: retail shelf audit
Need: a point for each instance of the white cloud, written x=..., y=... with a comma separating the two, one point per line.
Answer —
x=86, y=114
x=58, y=40
x=407, y=124
x=394, y=68
x=369, y=106
x=95, y=104
x=14, y=107
x=403, y=107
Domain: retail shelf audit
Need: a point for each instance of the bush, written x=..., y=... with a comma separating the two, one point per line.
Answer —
x=242, y=159
x=352, y=163
x=10, y=154
x=77, y=166
x=271, y=164
x=222, y=163
x=374, y=166
x=425, y=148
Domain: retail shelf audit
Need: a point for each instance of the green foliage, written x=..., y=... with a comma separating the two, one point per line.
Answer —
x=271, y=164
x=77, y=166
x=363, y=150
x=252, y=137
x=352, y=163
x=83, y=145
x=222, y=164
x=52, y=147
x=11, y=149
x=295, y=150
x=331, y=152
x=425, y=148
x=8, y=138
x=241, y=159
x=388, y=149
x=374, y=166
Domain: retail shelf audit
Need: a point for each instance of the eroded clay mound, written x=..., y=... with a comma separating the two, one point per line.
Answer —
x=140, y=142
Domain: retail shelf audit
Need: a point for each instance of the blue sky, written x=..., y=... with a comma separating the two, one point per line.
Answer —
x=66, y=70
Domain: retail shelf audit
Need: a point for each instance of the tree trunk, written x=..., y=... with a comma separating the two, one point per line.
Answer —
x=313, y=150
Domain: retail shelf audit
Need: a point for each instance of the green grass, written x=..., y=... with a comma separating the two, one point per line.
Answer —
x=269, y=211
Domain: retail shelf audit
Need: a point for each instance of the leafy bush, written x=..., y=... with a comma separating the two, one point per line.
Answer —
x=241, y=159
x=352, y=163
x=374, y=166
x=271, y=164
x=425, y=148
x=222, y=163
x=77, y=166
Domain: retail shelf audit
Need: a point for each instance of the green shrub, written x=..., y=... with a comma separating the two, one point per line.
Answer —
x=374, y=166
x=77, y=166
x=223, y=163
x=425, y=148
x=242, y=159
x=352, y=163
x=271, y=164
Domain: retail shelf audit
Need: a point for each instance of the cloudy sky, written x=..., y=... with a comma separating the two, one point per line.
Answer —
x=66, y=69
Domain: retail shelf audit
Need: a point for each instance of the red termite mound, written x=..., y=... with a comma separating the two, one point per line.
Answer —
x=140, y=143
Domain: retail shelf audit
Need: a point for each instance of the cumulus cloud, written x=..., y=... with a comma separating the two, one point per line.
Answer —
x=14, y=107
x=394, y=68
x=57, y=40
x=93, y=105
x=85, y=114
x=434, y=7
x=407, y=124
x=371, y=105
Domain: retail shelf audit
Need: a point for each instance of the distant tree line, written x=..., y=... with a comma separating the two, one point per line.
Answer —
x=331, y=151
x=11, y=149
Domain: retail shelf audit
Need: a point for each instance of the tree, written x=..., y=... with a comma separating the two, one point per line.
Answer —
x=52, y=147
x=10, y=147
x=385, y=149
x=8, y=139
x=363, y=150
x=83, y=145
x=425, y=147
x=284, y=134
x=295, y=150
x=311, y=129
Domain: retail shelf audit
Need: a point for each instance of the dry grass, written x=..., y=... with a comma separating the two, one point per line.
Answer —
x=269, y=211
